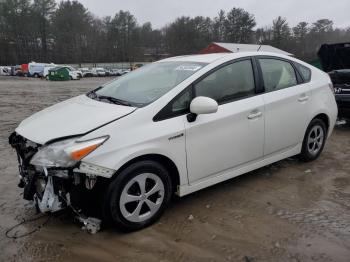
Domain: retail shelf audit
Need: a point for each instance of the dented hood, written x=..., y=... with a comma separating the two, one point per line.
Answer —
x=74, y=116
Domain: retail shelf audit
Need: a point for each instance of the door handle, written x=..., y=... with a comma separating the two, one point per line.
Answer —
x=254, y=114
x=303, y=98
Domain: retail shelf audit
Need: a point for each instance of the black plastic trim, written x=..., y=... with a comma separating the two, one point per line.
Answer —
x=167, y=113
x=164, y=113
x=261, y=78
x=296, y=64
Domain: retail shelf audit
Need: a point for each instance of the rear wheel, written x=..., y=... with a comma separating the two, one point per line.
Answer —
x=314, y=140
x=138, y=196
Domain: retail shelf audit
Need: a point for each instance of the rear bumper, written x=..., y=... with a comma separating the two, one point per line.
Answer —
x=343, y=102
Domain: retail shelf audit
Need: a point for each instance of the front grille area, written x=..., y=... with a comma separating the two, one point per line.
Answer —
x=342, y=89
x=25, y=148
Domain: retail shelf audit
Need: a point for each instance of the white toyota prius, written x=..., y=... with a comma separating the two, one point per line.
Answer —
x=172, y=127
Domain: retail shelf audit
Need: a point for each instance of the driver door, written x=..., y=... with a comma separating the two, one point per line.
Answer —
x=234, y=135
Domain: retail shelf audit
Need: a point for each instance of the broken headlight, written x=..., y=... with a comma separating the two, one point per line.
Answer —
x=65, y=153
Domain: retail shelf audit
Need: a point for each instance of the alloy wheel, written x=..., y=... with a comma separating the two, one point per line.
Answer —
x=141, y=197
x=315, y=140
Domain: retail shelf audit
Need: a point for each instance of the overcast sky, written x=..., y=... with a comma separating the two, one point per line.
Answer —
x=160, y=12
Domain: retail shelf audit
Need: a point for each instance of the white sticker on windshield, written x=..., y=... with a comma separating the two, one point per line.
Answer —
x=188, y=68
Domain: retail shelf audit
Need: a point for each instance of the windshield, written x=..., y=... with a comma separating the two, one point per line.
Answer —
x=147, y=84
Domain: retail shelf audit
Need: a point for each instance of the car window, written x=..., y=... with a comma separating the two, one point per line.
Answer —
x=304, y=71
x=150, y=82
x=182, y=102
x=277, y=74
x=178, y=106
x=228, y=83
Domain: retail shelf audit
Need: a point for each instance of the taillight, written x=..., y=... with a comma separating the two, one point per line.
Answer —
x=331, y=87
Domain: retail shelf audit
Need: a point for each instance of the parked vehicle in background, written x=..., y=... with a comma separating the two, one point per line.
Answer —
x=12, y=70
x=94, y=72
x=47, y=69
x=107, y=72
x=175, y=126
x=115, y=72
x=4, y=71
x=36, y=69
x=21, y=70
x=335, y=59
x=86, y=72
x=98, y=71
x=18, y=70
x=74, y=74
x=124, y=71
x=76, y=71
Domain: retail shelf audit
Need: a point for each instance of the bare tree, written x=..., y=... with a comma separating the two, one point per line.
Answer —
x=68, y=33
x=42, y=12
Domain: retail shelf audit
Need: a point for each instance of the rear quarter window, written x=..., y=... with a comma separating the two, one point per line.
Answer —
x=277, y=74
x=304, y=71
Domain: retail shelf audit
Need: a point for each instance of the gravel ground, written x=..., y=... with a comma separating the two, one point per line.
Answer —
x=289, y=211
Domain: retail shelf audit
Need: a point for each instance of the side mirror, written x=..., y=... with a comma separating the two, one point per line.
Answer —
x=202, y=105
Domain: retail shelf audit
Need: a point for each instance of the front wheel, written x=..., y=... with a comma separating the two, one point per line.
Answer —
x=314, y=140
x=138, y=196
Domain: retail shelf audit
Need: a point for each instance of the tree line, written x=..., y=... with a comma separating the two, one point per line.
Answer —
x=41, y=30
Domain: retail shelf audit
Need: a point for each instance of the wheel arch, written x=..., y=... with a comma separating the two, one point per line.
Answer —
x=324, y=117
x=161, y=159
x=319, y=115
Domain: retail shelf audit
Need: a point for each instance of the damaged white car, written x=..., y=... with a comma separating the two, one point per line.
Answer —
x=178, y=125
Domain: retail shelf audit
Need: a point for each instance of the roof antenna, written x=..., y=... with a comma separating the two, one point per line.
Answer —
x=259, y=48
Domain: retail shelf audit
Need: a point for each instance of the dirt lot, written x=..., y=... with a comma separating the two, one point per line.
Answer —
x=289, y=211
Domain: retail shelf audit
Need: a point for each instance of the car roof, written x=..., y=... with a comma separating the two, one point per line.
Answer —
x=210, y=58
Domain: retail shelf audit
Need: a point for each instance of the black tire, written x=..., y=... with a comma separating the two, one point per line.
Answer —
x=111, y=210
x=307, y=154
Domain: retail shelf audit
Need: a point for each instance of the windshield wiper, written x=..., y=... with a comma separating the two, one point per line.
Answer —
x=92, y=94
x=114, y=100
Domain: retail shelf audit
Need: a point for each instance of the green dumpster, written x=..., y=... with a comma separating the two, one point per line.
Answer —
x=316, y=63
x=59, y=74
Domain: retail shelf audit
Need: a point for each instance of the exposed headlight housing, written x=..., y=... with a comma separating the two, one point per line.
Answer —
x=66, y=153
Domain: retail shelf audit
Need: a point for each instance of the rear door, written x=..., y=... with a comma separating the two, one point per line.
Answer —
x=287, y=101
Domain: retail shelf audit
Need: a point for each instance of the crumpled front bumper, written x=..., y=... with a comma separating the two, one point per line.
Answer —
x=54, y=189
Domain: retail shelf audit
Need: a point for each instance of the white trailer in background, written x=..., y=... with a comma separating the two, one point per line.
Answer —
x=38, y=69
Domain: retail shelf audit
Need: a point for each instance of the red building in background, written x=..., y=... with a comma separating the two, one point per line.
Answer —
x=234, y=48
